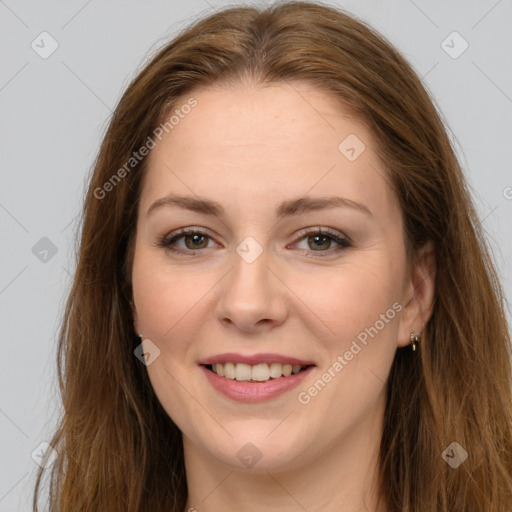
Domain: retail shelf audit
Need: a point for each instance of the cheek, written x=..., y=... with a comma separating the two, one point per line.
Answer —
x=166, y=297
x=360, y=304
x=170, y=312
x=352, y=298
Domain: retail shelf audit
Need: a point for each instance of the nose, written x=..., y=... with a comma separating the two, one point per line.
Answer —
x=253, y=297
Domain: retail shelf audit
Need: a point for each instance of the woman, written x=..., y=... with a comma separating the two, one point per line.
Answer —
x=283, y=298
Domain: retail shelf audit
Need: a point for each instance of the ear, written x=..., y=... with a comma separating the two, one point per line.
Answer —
x=418, y=298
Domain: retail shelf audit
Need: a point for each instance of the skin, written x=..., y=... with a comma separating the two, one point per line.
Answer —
x=249, y=147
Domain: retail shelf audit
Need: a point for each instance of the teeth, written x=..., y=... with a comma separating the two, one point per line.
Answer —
x=243, y=372
x=258, y=372
x=229, y=370
x=276, y=370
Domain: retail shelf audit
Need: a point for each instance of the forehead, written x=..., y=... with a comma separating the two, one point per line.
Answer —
x=275, y=117
x=251, y=142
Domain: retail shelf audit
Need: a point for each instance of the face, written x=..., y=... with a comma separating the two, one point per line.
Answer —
x=293, y=262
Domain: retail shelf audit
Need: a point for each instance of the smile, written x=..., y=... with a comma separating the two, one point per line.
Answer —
x=255, y=373
x=260, y=382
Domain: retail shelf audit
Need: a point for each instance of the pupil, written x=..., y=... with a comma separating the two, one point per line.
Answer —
x=316, y=238
x=195, y=239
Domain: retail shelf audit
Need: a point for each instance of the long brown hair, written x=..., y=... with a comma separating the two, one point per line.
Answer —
x=118, y=450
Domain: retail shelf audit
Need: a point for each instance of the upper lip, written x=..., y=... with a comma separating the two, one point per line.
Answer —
x=253, y=359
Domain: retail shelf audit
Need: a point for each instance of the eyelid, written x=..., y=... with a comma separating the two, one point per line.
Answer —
x=343, y=241
x=324, y=231
x=166, y=240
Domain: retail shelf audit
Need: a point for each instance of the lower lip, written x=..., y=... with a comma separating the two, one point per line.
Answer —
x=251, y=392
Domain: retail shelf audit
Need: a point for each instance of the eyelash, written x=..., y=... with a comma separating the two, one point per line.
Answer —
x=167, y=241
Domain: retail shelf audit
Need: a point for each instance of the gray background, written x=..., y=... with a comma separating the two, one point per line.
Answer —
x=53, y=112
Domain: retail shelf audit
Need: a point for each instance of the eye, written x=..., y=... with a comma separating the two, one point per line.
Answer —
x=321, y=239
x=193, y=239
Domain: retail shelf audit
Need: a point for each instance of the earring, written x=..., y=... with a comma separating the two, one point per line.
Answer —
x=414, y=338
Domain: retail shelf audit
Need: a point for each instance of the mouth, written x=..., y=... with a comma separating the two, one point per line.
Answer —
x=257, y=373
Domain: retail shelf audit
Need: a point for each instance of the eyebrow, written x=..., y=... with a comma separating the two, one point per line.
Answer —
x=285, y=208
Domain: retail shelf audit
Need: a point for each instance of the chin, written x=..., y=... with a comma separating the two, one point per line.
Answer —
x=259, y=449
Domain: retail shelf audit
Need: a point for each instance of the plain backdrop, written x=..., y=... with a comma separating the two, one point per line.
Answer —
x=54, y=108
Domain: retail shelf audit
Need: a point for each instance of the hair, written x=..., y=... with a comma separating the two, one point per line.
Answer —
x=118, y=450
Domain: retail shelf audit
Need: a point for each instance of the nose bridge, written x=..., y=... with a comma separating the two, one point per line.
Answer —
x=251, y=291
x=250, y=276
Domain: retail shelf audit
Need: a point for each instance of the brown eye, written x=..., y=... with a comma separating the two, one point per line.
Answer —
x=187, y=241
x=323, y=242
x=197, y=241
x=319, y=242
